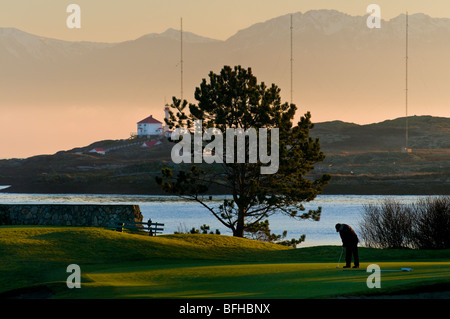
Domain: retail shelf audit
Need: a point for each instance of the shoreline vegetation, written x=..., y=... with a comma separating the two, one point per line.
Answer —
x=424, y=224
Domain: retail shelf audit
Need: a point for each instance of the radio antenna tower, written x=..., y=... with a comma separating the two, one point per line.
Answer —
x=406, y=97
x=292, y=62
x=181, y=61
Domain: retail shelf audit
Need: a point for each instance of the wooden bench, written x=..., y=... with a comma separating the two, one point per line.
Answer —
x=152, y=228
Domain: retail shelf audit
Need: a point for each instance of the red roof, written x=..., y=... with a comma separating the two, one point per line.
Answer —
x=152, y=143
x=97, y=150
x=149, y=120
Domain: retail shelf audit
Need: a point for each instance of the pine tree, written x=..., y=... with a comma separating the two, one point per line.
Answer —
x=234, y=99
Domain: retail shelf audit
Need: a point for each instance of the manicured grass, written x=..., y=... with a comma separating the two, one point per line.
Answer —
x=122, y=265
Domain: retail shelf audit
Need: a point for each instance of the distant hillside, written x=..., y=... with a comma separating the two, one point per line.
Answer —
x=424, y=132
x=362, y=159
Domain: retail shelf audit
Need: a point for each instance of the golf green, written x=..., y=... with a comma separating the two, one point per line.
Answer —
x=121, y=265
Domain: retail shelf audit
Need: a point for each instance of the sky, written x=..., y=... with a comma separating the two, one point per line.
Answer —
x=120, y=20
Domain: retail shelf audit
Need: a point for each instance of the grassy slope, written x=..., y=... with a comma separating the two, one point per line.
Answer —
x=120, y=265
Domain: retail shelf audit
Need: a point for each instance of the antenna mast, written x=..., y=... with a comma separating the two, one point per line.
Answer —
x=406, y=100
x=292, y=61
x=181, y=61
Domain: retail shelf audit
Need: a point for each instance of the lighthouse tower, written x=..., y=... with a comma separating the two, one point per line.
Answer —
x=166, y=111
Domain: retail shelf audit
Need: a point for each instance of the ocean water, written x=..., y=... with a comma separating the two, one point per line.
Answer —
x=180, y=215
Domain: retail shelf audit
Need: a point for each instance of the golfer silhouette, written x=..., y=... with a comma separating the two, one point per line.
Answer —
x=350, y=242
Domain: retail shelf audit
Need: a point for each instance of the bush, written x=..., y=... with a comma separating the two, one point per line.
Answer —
x=261, y=231
x=386, y=226
x=432, y=223
x=182, y=229
x=424, y=224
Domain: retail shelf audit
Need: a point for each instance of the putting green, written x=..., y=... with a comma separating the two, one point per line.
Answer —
x=280, y=280
x=121, y=265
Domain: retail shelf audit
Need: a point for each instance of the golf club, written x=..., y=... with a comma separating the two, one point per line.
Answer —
x=340, y=257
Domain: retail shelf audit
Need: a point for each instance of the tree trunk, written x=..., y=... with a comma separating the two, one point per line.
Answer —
x=239, y=231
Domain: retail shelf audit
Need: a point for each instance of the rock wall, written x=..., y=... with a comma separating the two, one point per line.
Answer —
x=68, y=215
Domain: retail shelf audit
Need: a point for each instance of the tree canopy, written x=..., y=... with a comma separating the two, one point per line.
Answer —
x=233, y=99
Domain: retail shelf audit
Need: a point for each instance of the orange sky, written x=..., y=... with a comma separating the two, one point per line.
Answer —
x=115, y=21
x=120, y=20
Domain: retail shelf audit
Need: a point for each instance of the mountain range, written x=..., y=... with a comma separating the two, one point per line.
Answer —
x=342, y=71
x=340, y=65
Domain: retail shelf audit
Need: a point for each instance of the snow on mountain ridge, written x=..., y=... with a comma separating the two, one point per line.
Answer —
x=330, y=22
x=314, y=22
x=20, y=43
x=174, y=34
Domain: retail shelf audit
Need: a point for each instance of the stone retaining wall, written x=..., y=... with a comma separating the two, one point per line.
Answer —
x=67, y=215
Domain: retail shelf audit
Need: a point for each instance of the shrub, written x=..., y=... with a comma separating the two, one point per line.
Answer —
x=423, y=225
x=431, y=228
x=386, y=226
x=261, y=231
x=182, y=229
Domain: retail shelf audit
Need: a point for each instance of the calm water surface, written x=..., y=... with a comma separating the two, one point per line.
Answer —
x=178, y=214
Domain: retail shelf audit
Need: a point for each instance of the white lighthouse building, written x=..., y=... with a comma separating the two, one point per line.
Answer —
x=149, y=126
